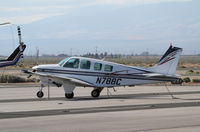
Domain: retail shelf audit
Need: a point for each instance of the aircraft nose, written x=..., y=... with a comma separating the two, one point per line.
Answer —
x=34, y=68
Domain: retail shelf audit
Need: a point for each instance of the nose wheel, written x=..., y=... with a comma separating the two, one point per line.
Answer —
x=40, y=94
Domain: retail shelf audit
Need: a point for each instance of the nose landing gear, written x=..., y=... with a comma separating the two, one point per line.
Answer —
x=40, y=94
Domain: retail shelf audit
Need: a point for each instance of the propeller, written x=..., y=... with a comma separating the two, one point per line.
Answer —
x=5, y=23
x=27, y=72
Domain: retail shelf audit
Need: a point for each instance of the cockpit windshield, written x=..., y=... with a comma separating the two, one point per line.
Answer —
x=63, y=61
x=72, y=63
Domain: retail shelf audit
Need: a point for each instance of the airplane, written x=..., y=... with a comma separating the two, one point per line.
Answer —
x=16, y=55
x=87, y=72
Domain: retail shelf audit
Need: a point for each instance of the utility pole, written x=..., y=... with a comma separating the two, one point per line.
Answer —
x=96, y=52
x=71, y=51
x=37, y=55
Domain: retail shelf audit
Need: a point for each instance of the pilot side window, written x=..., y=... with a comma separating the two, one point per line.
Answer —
x=97, y=66
x=108, y=68
x=72, y=63
x=85, y=64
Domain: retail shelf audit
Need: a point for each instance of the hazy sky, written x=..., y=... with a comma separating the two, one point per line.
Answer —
x=117, y=26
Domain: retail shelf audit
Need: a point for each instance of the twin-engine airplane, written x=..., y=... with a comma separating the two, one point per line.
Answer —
x=16, y=55
x=87, y=72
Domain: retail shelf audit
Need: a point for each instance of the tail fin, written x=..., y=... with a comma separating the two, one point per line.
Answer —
x=17, y=53
x=169, y=61
x=14, y=57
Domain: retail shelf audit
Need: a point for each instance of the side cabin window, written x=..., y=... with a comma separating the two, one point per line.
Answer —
x=85, y=64
x=72, y=63
x=97, y=66
x=108, y=68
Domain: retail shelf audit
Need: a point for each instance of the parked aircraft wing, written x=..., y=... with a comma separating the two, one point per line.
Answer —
x=68, y=79
x=60, y=78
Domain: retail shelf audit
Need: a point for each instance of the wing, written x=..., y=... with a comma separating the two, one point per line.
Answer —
x=74, y=81
x=59, y=78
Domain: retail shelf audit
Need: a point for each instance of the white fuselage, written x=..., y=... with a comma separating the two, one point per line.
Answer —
x=80, y=71
x=121, y=75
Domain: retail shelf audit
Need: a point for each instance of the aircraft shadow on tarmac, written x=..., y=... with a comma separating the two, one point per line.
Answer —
x=124, y=96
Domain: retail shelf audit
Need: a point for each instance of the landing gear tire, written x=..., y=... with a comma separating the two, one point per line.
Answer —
x=40, y=94
x=178, y=81
x=69, y=95
x=95, y=93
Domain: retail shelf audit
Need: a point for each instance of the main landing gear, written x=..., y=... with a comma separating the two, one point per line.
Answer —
x=96, y=92
x=69, y=95
x=177, y=81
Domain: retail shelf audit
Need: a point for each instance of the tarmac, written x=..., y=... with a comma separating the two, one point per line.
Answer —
x=123, y=109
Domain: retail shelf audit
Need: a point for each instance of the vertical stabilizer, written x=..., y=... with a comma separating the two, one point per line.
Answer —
x=16, y=55
x=169, y=61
